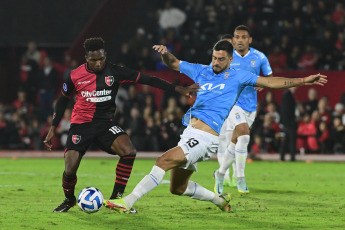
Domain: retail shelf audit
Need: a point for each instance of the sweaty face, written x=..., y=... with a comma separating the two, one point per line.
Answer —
x=220, y=61
x=96, y=60
x=241, y=40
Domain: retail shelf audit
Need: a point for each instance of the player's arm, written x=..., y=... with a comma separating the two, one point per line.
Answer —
x=169, y=60
x=283, y=83
x=59, y=110
x=164, y=85
x=259, y=89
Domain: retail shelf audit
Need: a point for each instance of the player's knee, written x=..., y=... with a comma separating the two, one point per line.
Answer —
x=177, y=191
x=243, y=141
x=164, y=161
x=127, y=150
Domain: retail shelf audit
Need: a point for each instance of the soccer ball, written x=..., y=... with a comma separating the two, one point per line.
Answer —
x=90, y=200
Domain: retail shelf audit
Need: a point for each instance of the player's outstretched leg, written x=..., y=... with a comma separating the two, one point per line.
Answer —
x=182, y=186
x=241, y=153
x=196, y=191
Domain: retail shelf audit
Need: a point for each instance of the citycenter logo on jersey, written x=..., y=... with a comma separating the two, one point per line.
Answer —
x=94, y=95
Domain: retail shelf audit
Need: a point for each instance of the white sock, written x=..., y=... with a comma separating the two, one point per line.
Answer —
x=196, y=191
x=241, y=152
x=228, y=159
x=148, y=183
x=234, y=174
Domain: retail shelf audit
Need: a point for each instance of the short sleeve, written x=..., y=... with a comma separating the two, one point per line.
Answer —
x=68, y=87
x=265, y=66
x=189, y=69
x=126, y=75
x=248, y=78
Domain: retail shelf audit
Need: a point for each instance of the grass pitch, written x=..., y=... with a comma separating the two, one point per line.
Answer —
x=282, y=196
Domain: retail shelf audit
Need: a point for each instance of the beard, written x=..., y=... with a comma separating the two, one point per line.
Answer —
x=218, y=71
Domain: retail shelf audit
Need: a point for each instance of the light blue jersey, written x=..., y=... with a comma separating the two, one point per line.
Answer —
x=218, y=92
x=253, y=61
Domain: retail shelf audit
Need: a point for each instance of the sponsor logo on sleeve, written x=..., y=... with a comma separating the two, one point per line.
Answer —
x=76, y=139
x=109, y=80
x=64, y=87
x=237, y=116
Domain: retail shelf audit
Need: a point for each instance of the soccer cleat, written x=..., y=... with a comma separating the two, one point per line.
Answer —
x=225, y=206
x=242, y=186
x=66, y=205
x=218, y=186
x=119, y=205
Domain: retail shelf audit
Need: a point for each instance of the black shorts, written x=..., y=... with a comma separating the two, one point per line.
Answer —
x=102, y=133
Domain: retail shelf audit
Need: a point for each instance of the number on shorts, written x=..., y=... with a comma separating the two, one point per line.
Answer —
x=115, y=130
x=192, y=142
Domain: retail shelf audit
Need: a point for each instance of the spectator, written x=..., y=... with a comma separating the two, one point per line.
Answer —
x=173, y=108
x=339, y=112
x=277, y=59
x=323, y=137
x=33, y=54
x=137, y=43
x=21, y=103
x=65, y=124
x=136, y=129
x=145, y=60
x=126, y=57
x=34, y=130
x=308, y=60
x=48, y=81
x=256, y=148
x=338, y=136
x=311, y=105
x=338, y=13
x=307, y=130
x=169, y=129
x=171, y=17
x=270, y=134
x=324, y=110
x=151, y=135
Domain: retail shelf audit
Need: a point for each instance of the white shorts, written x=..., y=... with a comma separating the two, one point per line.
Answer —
x=238, y=116
x=198, y=146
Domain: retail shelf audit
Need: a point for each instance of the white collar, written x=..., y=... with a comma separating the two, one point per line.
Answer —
x=241, y=55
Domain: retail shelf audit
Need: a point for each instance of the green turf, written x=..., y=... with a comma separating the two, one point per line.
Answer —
x=283, y=196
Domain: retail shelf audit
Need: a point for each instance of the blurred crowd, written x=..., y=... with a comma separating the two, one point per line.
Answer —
x=320, y=128
x=288, y=32
x=294, y=35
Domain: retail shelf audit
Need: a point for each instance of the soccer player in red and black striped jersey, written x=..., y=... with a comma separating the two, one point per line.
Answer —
x=95, y=84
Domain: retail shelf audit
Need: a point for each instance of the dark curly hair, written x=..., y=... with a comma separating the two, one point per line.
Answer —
x=223, y=45
x=92, y=44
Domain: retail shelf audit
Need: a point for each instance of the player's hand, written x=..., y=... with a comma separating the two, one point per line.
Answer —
x=259, y=89
x=316, y=79
x=47, y=142
x=188, y=90
x=160, y=49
